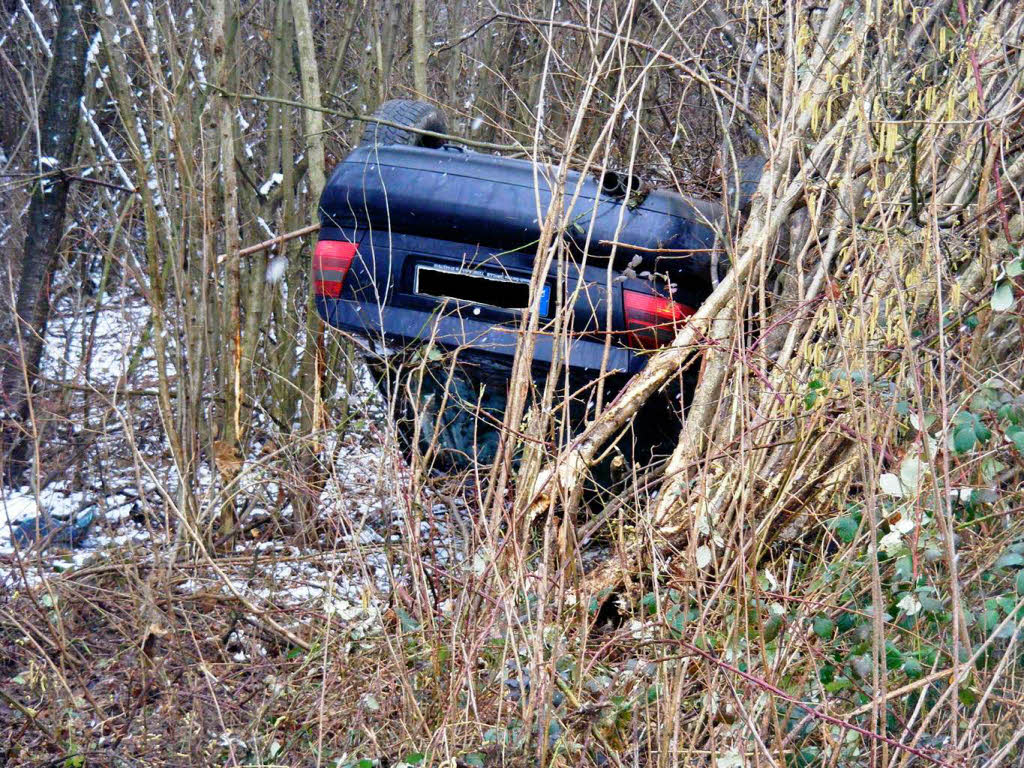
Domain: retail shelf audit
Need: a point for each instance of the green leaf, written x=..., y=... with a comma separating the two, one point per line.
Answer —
x=414, y=759
x=649, y=603
x=967, y=696
x=409, y=624
x=912, y=667
x=964, y=438
x=1007, y=603
x=1020, y=582
x=772, y=627
x=845, y=527
x=930, y=604
x=475, y=759
x=1016, y=436
x=837, y=685
x=990, y=619
x=1002, y=297
x=1015, y=268
x=893, y=656
x=1010, y=560
x=364, y=763
x=990, y=467
x=847, y=621
x=824, y=627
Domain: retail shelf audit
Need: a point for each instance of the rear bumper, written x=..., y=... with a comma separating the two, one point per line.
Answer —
x=399, y=327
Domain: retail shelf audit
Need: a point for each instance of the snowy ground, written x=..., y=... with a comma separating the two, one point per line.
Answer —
x=362, y=504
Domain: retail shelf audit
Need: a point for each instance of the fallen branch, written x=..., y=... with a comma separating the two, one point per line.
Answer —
x=274, y=241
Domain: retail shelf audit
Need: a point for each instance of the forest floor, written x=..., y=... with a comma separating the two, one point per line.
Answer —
x=133, y=592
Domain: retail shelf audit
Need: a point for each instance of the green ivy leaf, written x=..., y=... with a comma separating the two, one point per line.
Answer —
x=824, y=627
x=1007, y=603
x=1015, y=268
x=1020, y=582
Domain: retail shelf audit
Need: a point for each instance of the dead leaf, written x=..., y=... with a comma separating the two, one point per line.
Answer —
x=227, y=459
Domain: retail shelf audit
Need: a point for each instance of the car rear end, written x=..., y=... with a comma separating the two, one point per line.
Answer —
x=422, y=245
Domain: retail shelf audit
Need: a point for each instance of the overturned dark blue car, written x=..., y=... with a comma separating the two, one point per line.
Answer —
x=425, y=258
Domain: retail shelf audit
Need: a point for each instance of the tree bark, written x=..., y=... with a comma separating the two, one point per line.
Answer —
x=312, y=367
x=58, y=123
x=419, y=47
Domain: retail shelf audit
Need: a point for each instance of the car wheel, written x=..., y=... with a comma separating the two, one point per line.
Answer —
x=405, y=112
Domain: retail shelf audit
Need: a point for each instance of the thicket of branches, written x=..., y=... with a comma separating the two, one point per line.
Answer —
x=826, y=569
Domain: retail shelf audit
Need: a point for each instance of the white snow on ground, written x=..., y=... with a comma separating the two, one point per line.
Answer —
x=362, y=507
x=121, y=327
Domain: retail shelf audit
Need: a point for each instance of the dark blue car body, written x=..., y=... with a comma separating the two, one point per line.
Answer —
x=446, y=243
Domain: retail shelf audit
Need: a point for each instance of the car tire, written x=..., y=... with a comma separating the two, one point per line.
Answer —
x=405, y=112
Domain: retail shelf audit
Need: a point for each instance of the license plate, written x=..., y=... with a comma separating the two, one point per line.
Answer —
x=484, y=288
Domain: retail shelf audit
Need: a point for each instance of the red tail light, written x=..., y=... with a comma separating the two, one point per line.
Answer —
x=652, y=321
x=331, y=262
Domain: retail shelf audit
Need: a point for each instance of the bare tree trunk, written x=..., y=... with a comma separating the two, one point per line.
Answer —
x=58, y=123
x=312, y=368
x=313, y=119
x=228, y=451
x=419, y=47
